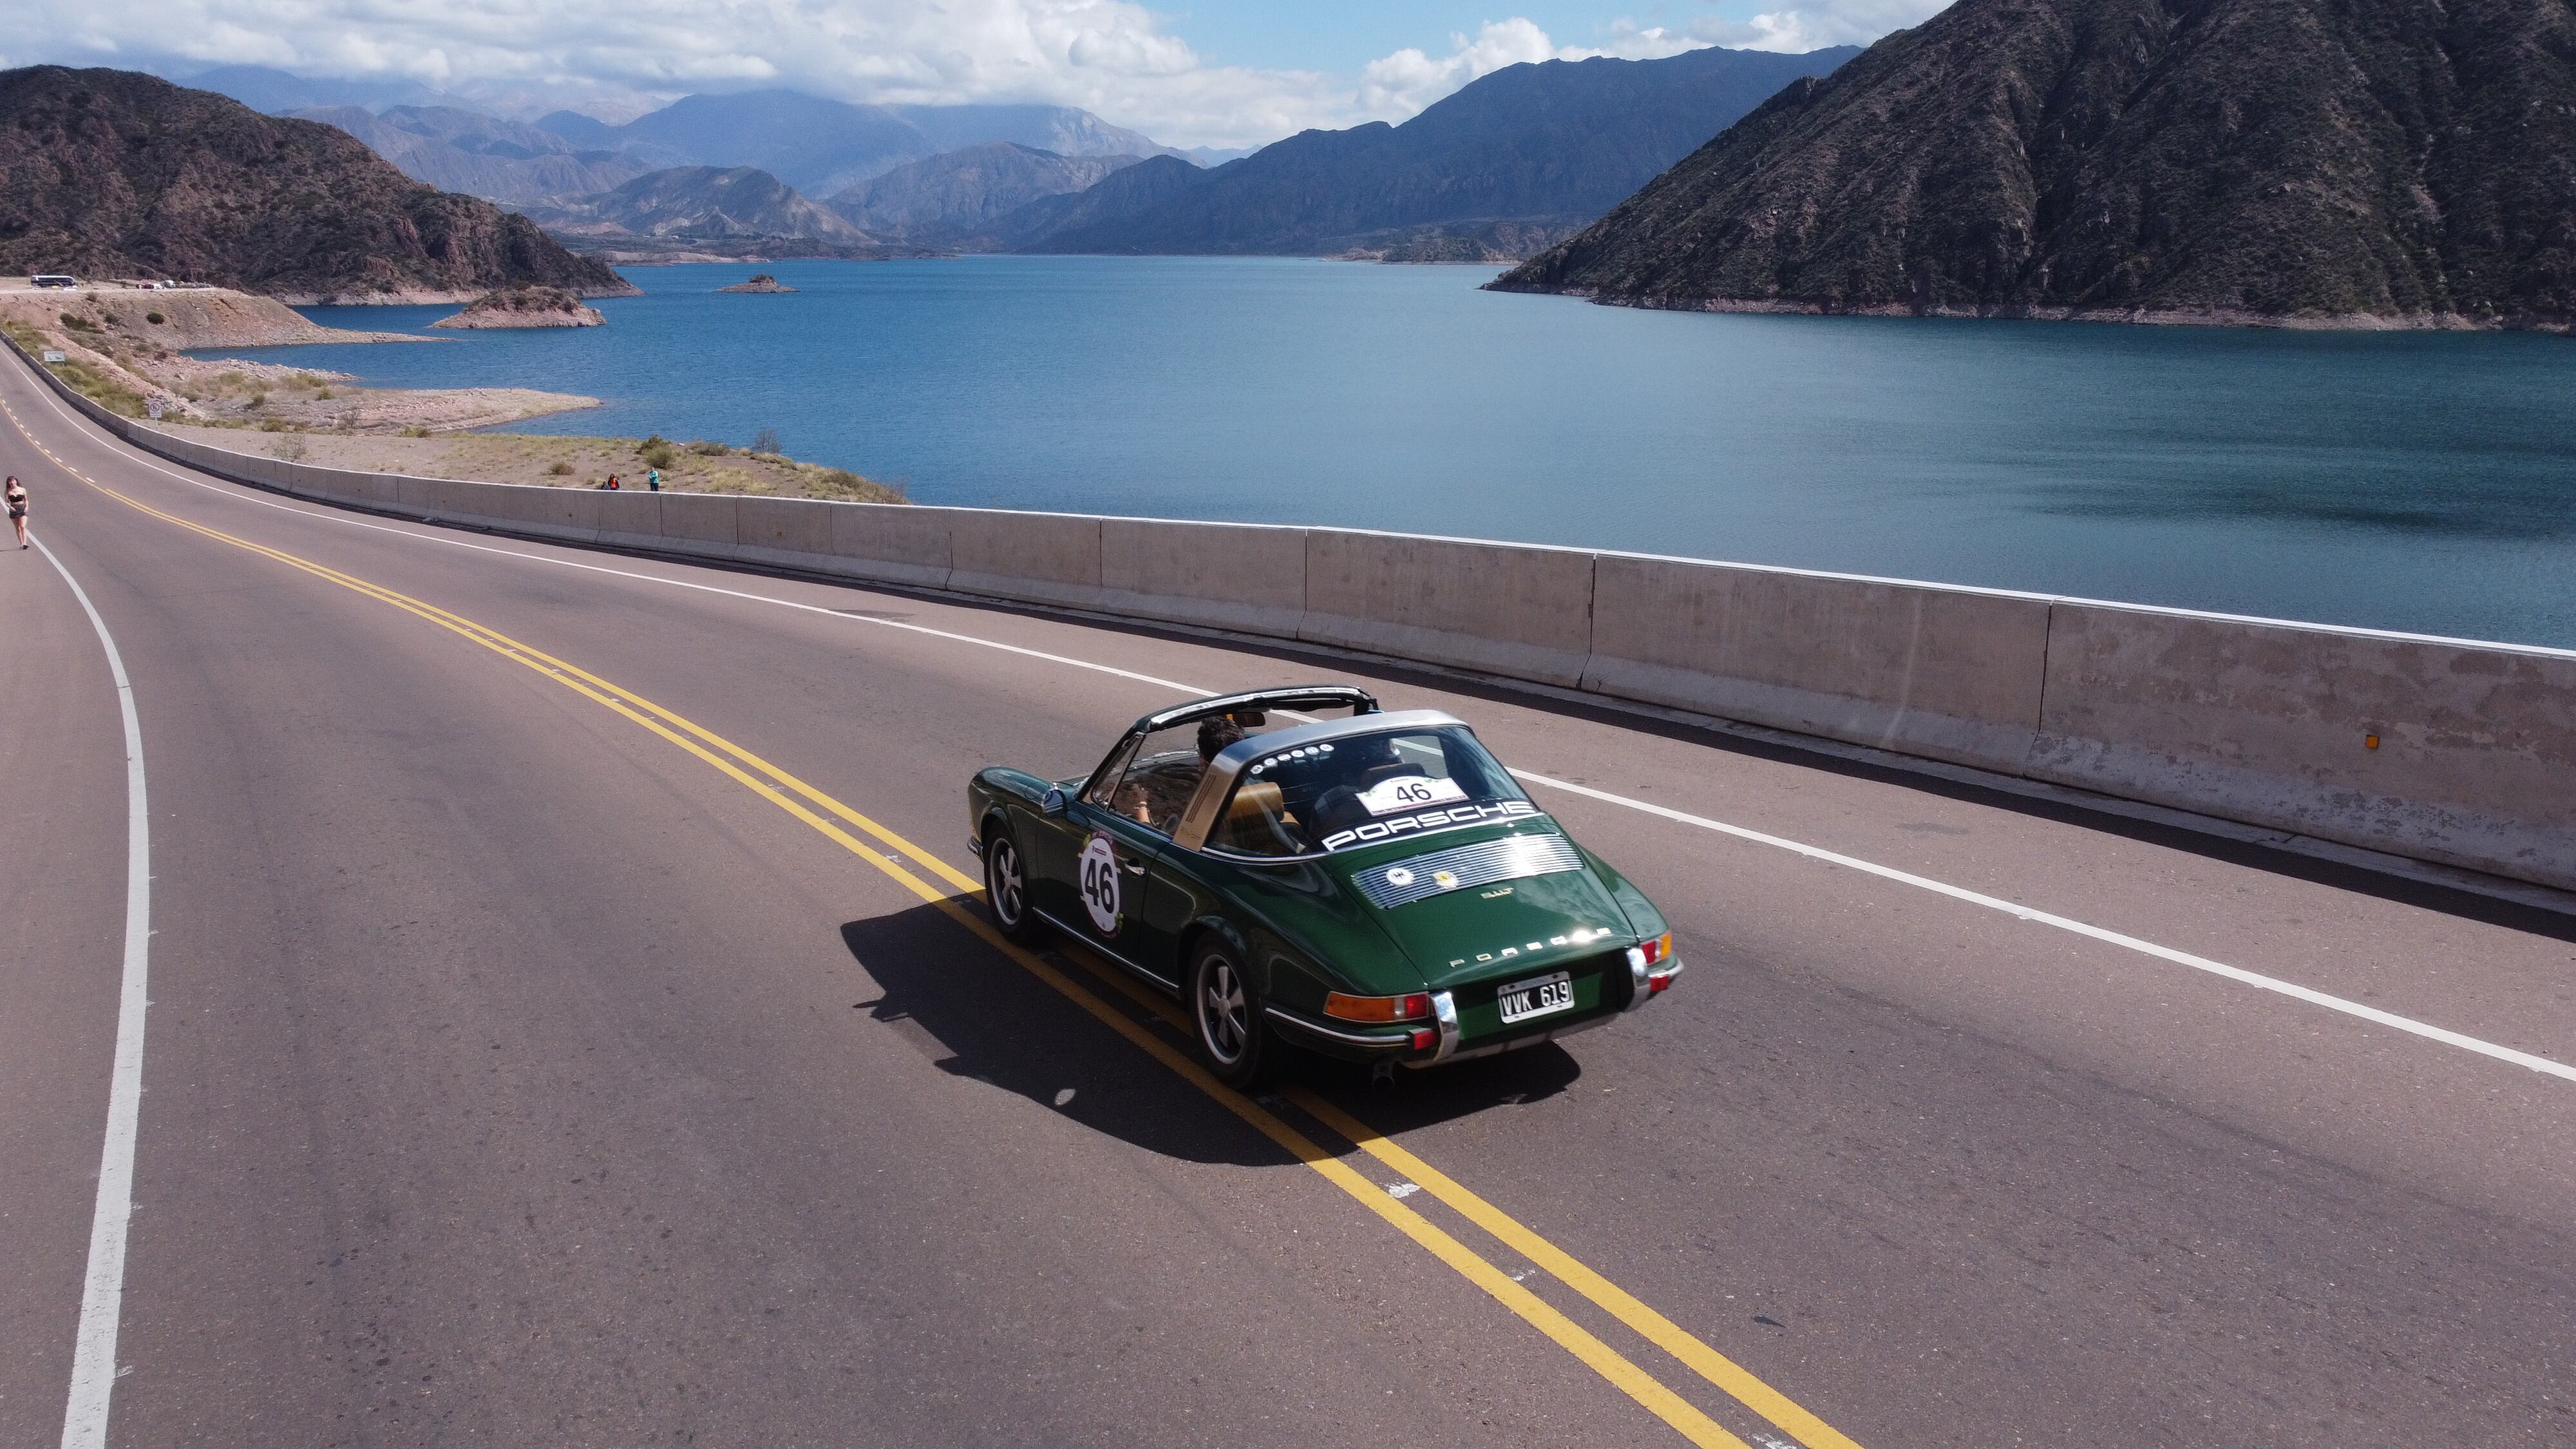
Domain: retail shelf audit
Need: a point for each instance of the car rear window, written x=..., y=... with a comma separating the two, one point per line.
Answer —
x=1359, y=790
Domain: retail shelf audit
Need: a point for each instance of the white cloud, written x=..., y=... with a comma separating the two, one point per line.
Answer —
x=1814, y=26
x=1400, y=85
x=617, y=57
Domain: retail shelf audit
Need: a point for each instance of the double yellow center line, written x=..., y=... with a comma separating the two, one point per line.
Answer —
x=836, y=821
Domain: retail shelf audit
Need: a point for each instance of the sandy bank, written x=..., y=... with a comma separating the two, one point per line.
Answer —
x=535, y=458
x=177, y=319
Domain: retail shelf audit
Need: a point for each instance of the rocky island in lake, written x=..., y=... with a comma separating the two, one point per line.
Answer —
x=763, y=282
x=526, y=307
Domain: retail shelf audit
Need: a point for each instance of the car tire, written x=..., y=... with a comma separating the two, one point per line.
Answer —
x=1233, y=1039
x=1006, y=890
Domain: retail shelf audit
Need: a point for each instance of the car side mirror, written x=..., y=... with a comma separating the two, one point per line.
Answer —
x=1052, y=802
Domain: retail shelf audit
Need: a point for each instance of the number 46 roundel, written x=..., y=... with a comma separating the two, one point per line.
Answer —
x=1098, y=876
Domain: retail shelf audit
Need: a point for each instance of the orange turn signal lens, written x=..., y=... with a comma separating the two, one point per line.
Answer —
x=1377, y=1008
x=1657, y=949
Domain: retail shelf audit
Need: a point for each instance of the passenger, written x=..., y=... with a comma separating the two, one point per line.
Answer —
x=1339, y=807
x=1215, y=733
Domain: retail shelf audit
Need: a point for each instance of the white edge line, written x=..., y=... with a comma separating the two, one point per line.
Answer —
x=2165, y=953
x=103, y=1287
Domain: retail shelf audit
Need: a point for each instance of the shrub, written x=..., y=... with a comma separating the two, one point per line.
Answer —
x=415, y=432
x=709, y=448
x=765, y=441
x=657, y=453
x=306, y=379
x=322, y=394
x=257, y=400
x=106, y=392
x=78, y=324
x=155, y=318
x=272, y=425
x=561, y=470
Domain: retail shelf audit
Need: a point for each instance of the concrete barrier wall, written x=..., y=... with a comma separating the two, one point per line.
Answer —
x=2250, y=720
x=1951, y=674
x=2475, y=756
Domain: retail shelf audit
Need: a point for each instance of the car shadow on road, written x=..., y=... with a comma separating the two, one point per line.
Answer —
x=981, y=1016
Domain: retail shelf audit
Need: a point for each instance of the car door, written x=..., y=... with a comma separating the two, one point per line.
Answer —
x=1119, y=905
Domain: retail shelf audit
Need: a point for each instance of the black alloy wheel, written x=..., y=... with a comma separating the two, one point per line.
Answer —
x=1006, y=890
x=1233, y=1039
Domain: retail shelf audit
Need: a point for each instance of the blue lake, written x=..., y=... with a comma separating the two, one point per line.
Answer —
x=2421, y=482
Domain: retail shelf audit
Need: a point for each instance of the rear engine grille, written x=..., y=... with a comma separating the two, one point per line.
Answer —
x=1514, y=857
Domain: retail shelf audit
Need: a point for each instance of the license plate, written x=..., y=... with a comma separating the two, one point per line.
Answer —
x=1536, y=997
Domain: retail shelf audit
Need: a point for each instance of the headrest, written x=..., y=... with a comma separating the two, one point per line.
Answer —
x=1254, y=799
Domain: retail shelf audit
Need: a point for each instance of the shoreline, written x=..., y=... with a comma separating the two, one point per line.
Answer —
x=2020, y=312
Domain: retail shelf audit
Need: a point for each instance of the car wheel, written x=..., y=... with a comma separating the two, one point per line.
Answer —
x=1233, y=1039
x=1006, y=890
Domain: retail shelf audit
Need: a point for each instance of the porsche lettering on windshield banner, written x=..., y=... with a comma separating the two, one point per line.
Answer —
x=1429, y=820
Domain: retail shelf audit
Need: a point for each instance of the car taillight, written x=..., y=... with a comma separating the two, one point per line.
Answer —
x=1657, y=949
x=1378, y=1008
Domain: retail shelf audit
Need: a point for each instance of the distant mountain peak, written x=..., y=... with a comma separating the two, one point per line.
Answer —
x=1541, y=147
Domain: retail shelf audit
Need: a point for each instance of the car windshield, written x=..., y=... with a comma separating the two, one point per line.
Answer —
x=1364, y=789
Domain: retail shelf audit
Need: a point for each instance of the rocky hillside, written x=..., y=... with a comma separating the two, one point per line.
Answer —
x=113, y=173
x=1554, y=145
x=457, y=150
x=701, y=201
x=2406, y=161
x=963, y=192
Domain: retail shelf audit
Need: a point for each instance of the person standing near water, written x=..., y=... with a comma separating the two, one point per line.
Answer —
x=653, y=479
x=16, y=492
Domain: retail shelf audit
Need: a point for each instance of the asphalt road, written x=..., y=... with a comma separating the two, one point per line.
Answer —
x=524, y=1068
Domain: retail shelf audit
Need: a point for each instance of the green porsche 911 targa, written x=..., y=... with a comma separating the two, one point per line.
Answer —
x=1300, y=866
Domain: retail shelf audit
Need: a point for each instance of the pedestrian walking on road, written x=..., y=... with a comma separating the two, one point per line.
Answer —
x=653, y=479
x=17, y=496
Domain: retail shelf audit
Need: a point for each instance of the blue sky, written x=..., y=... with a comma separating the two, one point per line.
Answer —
x=1199, y=72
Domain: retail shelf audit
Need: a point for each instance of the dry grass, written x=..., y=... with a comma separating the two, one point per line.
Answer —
x=561, y=462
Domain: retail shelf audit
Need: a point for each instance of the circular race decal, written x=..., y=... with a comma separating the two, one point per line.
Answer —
x=1097, y=872
x=1399, y=877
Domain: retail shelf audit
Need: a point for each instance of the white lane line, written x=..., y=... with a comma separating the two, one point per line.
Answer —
x=242, y=493
x=103, y=1289
x=2164, y=953
x=2290, y=989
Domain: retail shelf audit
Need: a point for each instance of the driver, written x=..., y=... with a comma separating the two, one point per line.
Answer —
x=1156, y=802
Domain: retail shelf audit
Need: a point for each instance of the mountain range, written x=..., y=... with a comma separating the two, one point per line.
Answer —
x=822, y=147
x=123, y=174
x=700, y=202
x=458, y=150
x=2412, y=160
x=1546, y=146
x=963, y=193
